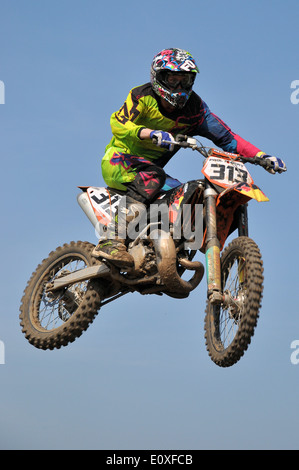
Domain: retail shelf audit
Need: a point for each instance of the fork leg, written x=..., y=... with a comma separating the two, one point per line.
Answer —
x=212, y=251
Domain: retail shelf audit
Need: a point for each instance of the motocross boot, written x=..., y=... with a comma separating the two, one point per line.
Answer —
x=113, y=247
x=114, y=251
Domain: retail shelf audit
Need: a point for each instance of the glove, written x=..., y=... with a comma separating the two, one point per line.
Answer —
x=158, y=136
x=277, y=165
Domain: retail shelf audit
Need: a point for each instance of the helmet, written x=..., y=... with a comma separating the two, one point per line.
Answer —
x=164, y=80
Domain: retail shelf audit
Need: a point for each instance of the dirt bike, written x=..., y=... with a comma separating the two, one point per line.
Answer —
x=68, y=288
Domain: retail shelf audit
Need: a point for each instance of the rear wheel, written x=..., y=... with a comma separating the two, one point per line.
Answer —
x=53, y=319
x=230, y=326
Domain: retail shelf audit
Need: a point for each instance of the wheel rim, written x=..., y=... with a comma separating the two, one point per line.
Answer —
x=51, y=311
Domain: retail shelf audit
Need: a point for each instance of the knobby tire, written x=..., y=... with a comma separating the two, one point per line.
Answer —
x=75, y=307
x=245, y=253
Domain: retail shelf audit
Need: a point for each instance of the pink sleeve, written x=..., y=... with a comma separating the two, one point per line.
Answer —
x=245, y=148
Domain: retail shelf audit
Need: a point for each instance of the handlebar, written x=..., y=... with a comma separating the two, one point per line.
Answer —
x=185, y=141
x=267, y=164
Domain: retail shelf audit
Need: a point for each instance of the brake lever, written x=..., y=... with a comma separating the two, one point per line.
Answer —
x=181, y=137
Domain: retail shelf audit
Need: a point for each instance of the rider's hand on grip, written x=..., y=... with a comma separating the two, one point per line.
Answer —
x=274, y=164
x=163, y=139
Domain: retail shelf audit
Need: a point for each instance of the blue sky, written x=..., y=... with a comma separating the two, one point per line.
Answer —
x=140, y=377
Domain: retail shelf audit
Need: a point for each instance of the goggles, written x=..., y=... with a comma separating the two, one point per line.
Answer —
x=185, y=80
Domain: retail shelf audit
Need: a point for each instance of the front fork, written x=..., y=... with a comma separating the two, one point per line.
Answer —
x=212, y=251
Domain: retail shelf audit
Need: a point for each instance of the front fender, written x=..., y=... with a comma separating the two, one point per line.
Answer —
x=228, y=202
x=251, y=191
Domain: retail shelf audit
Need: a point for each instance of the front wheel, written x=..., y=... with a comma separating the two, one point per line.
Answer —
x=230, y=326
x=53, y=319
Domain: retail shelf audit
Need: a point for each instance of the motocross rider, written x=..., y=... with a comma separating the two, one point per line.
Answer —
x=152, y=114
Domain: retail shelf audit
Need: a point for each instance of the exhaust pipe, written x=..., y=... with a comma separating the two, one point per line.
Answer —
x=167, y=266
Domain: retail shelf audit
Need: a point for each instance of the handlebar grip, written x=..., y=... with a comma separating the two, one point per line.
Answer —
x=267, y=164
x=264, y=162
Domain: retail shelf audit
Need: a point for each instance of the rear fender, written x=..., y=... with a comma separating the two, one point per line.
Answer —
x=98, y=204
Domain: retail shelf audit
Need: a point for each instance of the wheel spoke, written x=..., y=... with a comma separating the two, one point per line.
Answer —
x=230, y=316
x=52, y=312
x=227, y=328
